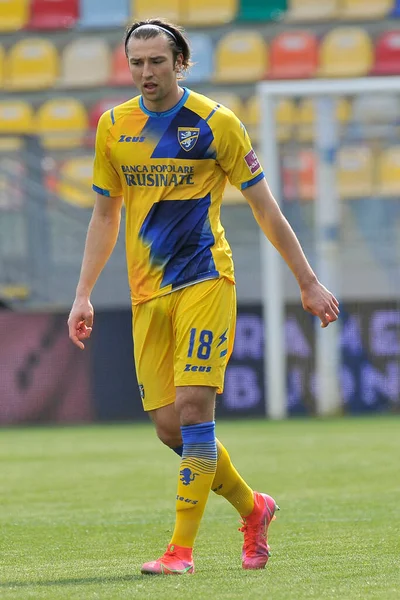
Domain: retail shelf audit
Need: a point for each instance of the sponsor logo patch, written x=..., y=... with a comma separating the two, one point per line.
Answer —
x=252, y=161
x=141, y=391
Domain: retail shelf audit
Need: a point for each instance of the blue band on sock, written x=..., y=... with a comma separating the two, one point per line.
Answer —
x=197, y=434
x=178, y=450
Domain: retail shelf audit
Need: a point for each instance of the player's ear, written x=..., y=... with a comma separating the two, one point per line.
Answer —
x=179, y=63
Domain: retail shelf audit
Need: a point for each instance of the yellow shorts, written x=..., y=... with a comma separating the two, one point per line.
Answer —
x=184, y=338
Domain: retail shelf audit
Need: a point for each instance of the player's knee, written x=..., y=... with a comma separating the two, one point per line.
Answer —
x=195, y=404
x=169, y=437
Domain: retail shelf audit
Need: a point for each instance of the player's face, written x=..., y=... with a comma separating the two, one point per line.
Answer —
x=154, y=71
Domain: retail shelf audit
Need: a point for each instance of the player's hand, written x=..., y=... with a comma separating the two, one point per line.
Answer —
x=80, y=321
x=320, y=302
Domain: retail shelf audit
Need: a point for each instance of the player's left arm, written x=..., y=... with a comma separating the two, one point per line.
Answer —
x=315, y=297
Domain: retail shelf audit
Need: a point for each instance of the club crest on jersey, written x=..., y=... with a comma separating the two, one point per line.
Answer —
x=188, y=136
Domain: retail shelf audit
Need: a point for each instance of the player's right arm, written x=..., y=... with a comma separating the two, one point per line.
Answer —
x=100, y=242
x=101, y=236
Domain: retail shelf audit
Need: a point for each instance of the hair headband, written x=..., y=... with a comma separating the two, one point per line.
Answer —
x=156, y=27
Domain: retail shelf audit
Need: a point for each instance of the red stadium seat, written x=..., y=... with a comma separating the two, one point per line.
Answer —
x=120, y=73
x=53, y=14
x=294, y=55
x=387, y=54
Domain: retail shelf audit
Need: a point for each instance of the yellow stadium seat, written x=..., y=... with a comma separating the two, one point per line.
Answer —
x=143, y=9
x=312, y=10
x=75, y=182
x=62, y=123
x=360, y=10
x=230, y=100
x=285, y=114
x=252, y=118
x=389, y=172
x=346, y=52
x=31, y=64
x=2, y=65
x=355, y=173
x=241, y=56
x=208, y=12
x=14, y=14
x=306, y=114
x=86, y=62
x=16, y=117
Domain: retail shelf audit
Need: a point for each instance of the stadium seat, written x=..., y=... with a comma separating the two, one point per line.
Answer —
x=2, y=66
x=13, y=14
x=202, y=13
x=312, y=10
x=75, y=181
x=120, y=73
x=16, y=116
x=360, y=10
x=261, y=10
x=346, y=52
x=307, y=174
x=241, y=56
x=143, y=9
x=62, y=123
x=285, y=114
x=305, y=117
x=389, y=172
x=252, y=118
x=202, y=58
x=53, y=14
x=294, y=55
x=387, y=54
x=103, y=13
x=299, y=175
x=377, y=108
x=85, y=62
x=31, y=64
x=355, y=173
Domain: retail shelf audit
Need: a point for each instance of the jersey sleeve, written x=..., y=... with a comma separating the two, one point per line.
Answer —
x=235, y=154
x=105, y=178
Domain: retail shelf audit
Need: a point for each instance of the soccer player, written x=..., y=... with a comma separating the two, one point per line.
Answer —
x=167, y=154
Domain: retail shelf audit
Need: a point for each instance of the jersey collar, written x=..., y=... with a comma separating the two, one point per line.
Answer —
x=169, y=112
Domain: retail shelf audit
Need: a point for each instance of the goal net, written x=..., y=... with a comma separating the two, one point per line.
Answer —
x=331, y=153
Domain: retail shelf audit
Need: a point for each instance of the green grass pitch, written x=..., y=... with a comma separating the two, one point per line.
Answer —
x=82, y=507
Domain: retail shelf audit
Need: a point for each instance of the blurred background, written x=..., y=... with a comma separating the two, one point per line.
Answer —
x=62, y=64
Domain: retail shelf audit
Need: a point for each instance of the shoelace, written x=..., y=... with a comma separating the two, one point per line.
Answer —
x=251, y=535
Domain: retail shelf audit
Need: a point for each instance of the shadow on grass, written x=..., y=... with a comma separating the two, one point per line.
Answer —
x=77, y=581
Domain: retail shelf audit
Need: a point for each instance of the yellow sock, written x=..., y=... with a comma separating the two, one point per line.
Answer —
x=196, y=473
x=229, y=484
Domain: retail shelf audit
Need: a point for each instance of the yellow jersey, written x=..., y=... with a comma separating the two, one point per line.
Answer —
x=171, y=168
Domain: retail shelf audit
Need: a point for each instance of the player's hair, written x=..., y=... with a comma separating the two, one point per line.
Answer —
x=151, y=28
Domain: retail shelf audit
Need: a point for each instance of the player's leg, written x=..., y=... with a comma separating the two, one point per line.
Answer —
x=227, y=482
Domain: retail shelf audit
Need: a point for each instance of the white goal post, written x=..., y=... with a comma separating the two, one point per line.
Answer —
x=326, y=209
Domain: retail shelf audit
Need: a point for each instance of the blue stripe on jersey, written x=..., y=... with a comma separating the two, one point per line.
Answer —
x=112, y=116
x=214, y=110
x=180, y=239
x=100, y=190
x=256, y=179
x=169, y=146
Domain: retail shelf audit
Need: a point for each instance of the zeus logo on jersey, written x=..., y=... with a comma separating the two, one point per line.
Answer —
x=200, y=368
x=187, y=137
x=129, y=138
